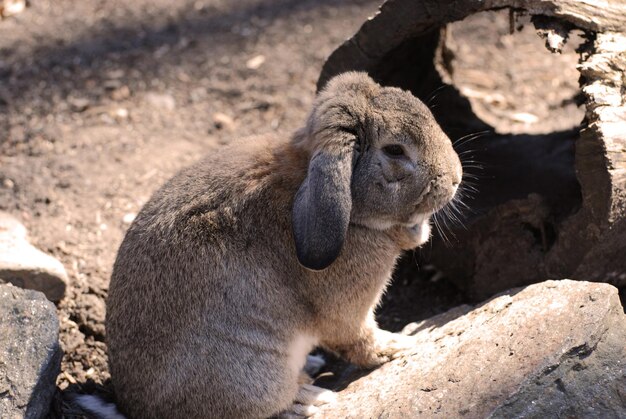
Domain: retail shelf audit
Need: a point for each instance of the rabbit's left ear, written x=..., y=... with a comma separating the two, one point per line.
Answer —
x=322, y=206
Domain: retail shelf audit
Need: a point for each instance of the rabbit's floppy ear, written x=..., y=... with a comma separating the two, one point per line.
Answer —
x=322, y=206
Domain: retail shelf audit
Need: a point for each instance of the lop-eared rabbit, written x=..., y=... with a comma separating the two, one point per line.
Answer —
x=243, y=263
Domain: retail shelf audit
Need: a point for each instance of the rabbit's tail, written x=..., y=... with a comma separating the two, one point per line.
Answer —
x=98, y=407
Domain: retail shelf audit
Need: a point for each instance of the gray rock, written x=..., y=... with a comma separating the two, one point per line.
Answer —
x=26, y=266
x=554, y=349
x=30, y=355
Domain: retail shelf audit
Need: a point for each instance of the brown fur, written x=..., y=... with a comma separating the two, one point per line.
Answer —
x=207, y=294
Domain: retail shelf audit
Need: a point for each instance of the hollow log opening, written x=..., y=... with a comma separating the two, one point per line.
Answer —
x=514, y=123
x=546, y=177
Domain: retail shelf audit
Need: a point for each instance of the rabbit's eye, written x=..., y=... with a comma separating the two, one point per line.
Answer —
x=393, y=150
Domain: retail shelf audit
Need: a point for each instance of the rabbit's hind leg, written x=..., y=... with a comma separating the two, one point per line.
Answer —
x=308, y=396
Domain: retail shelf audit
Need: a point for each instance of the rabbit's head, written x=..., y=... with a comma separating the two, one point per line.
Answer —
x=378, y=159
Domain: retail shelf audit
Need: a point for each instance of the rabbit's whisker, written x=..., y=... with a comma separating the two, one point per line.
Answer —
x=434, y=94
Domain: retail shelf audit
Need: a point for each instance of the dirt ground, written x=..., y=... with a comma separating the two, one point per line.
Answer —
x=101, y=102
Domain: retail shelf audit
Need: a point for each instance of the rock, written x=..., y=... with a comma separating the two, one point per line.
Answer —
x=161, y=100
x=255, y=62
x=30, y=356
x=11, y=7
x=223, y=121
x=129, y=217
x=79, y=104
x=553, y=31
x=25, y=266
x=554, y=349
x=119, y=114
x=115, y=74
x=120, y=93
x=525, y=118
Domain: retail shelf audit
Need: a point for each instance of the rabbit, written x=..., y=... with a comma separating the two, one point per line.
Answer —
x=269, y=247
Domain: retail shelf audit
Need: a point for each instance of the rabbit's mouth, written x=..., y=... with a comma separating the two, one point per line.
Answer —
x=436, y=195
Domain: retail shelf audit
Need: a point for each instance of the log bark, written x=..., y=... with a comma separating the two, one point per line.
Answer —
x=399, y=20
x=593, y=236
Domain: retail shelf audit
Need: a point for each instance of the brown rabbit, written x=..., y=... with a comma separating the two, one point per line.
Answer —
x=243, y=263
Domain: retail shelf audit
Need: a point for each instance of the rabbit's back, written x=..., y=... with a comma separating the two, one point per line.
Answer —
x=242, y=263
x=199, y=275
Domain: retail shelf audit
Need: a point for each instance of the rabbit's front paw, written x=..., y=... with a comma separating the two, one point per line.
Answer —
x=379, y=348
x=394, y=345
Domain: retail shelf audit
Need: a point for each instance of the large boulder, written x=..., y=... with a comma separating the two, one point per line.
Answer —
x=24, y=265
x=554, y=349
x=30, y=356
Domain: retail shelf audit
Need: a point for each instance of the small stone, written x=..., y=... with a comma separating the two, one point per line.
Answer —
x=24, y=265
x=11, y=7
x=255, y=62
x=120, y=93
x=30, y=355
x=115, y=74
x=128, y=217
x=525, y=117
x=223, y=121
x=8, y=183
x=120, y=113
x=161, y=100
x=78, y=104
x=555, y=42
x=112, y=84
x=64, y=184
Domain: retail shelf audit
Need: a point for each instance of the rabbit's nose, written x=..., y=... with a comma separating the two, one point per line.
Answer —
x=453, y=181
x=455, y=187
x=454, y=178
x=457, y=174
x=439, y=191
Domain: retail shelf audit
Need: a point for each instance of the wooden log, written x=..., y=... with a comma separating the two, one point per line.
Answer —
x=399, y=46
x=399, y=20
